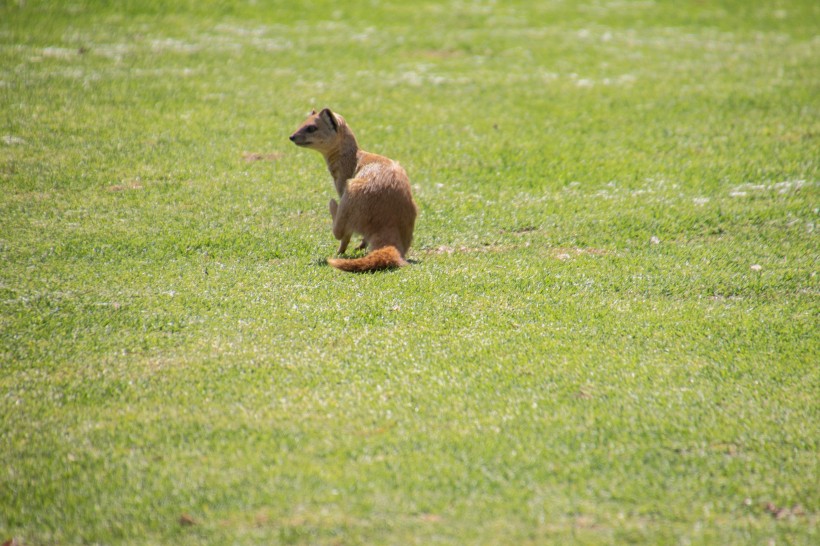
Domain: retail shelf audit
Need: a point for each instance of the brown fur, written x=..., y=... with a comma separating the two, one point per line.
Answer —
x=375, y=200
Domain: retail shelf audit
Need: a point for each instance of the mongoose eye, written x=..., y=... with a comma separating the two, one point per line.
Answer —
x=311, y=129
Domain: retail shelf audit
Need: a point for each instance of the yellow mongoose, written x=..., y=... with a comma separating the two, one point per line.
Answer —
x=374, y=194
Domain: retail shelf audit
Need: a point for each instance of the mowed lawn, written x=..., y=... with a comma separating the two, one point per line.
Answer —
x=608, y=333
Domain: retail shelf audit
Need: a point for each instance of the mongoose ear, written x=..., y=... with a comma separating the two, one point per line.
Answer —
x=313, y=112
x=329, y=118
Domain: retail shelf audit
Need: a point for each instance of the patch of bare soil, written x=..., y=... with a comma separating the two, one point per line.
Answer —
x=250, y=157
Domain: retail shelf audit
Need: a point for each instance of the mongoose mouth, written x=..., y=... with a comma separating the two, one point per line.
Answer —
x=298, y=142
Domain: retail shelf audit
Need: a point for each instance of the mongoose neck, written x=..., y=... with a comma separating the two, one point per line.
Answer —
x=341, y=160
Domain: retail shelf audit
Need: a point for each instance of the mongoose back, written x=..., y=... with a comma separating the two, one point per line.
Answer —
x=375, y=200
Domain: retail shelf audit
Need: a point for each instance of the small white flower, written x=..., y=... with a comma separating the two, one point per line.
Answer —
x=757, y=267
x=654, y=240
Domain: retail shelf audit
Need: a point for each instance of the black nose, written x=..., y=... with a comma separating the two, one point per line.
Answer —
x=292, y=138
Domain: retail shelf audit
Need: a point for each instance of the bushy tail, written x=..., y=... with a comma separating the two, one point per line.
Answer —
x=387, y=257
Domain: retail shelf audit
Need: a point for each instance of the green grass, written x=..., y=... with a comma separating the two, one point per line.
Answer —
x=608, y=334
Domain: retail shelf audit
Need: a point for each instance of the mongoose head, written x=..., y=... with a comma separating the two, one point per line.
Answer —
x=321, y=131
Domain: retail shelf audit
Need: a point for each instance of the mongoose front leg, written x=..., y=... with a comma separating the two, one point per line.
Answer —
x=343, y=244
x=340, y=230
x=362, y=246
x=334, y=206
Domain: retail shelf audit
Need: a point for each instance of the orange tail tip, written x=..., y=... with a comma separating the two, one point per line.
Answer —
x=383, y=258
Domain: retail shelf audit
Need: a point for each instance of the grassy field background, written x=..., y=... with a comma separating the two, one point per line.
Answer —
x=608, y=334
